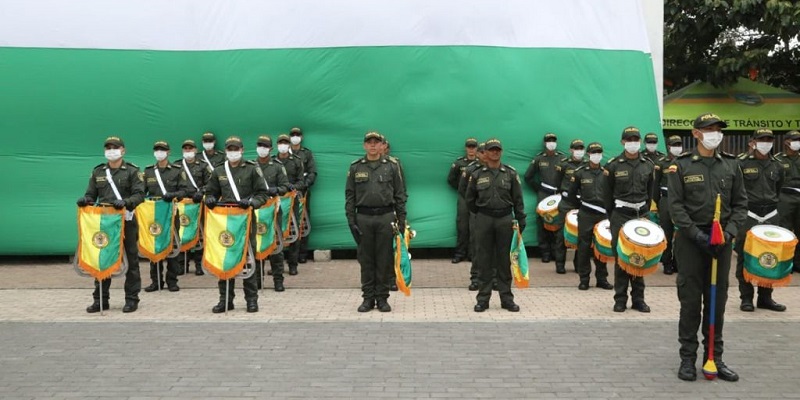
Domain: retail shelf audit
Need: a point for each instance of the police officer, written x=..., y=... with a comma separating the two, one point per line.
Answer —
x=252, y=194
x=630, y=182
x=210, y=155
x=564, y=171
x=462, y=213
x=120, y=183
x=789, y=205
x=375, y=197
x=196, y=173
x=763, y=178
x=660, y=193
x=544, y=179
x=695, y=179
x=651, y=148
x=462, y=191
x=309, y=176
x=297, y=181
x=164, y=181
x=277, y=185
x=493, y=194
x=586, y=193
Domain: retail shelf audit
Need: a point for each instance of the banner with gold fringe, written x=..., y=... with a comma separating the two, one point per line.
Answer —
x=156, y=219
x=640, y=246
x=226, y=239
x=266, y=238
x=287, y=215
x=304, y=224
x=402, y=260
x=519, y=259
x=189, y=220
x=100, y=245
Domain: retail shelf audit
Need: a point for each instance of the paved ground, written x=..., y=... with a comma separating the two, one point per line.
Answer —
x=309, y=342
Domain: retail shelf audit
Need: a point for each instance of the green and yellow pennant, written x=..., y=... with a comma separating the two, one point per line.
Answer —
x=156, y=221
x=226, y=239
x=267, y=239
x=189, y=217
x=100, y=245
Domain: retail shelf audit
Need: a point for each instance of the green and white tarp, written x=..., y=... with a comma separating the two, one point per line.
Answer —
x=427, y=74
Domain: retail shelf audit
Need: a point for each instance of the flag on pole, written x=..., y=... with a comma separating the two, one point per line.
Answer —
x=402, y=260
x=288, y=217
x=189, y=218
x=100, y=245
x=156, y=219
x=226, y=238
x=266, y=238
x=519, y=259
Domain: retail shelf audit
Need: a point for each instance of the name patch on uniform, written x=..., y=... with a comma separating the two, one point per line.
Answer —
x=750, y=171
x=100, y=179
x=620, y=173
x=483, y=180
x=569, y=171
x=151, y=180
x=587, y=180
x=544, y=164
x=362, y=175
x=693, y=178
x=223, y=178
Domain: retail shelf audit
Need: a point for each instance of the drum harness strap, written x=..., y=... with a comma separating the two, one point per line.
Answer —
x=761, y=219
x=128, y=214
x=232, y=182
x=591, y=206
x=792, y=190
x=552, y=189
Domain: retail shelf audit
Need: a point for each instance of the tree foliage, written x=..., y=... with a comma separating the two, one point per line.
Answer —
x=719, y=41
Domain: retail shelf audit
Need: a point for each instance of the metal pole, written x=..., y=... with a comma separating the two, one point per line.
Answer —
x=158, y=270
x=185, y=262
x=227, y=294
x=100, y=284
x=261, y=265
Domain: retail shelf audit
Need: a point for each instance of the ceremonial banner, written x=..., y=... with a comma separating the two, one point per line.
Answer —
x=156, y=220
x=288, y=216
x=226, y=238
x=519, y=259
x=189, y=217
x=304, y=225
x=100, y=246
x=266, y=238
x=402, y=261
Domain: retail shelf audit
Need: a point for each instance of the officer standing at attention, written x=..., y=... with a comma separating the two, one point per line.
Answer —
x=650, y=148
x=789, y=205
x=660, y=193
x=309, y=176
x=695, y=179
x=462, y=191
x=763, y=178
x=106, y=180
x=493, y=193
x=630, y=187
x=586, y=193
x=277, y=185
x=293, y=166
x=462, y=251
x=252, y=194
x=544, y=179
x=375, y=197
x=196, y=172
x=163, y=180
x=564, y=172
x=210, y=155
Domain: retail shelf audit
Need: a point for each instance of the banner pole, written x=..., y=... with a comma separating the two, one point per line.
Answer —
x=100, y=285
x=158, y=271
x=227, y=294
x=186, y=263
x=261, y=266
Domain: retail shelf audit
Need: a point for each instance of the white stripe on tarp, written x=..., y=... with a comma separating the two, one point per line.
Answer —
x=197, y=25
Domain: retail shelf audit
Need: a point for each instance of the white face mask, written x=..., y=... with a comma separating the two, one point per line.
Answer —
x=263, y=152
x=764, y=147
x=283, y=148
x=578, y=154
x=550, y=145
x=233, y=156
x=675, y=150
x=711, y=140
x=651, y=147
x=632, y=147
x=113, y=154
x=188, y=155
x=794, y=145
x=160, y=155
x=208, y=145
x=295, y=140
x=595, y=158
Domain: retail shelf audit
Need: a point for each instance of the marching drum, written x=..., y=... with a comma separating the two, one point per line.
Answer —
x=768, y=254
x=548, y=210
x=602, y=241
x=639, y=247
x=571, y=230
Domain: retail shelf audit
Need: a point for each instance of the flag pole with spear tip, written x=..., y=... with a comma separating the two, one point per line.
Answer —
x=717, y=239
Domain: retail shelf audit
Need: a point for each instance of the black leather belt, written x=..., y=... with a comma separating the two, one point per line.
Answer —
x=374, y=210
x=495, y=212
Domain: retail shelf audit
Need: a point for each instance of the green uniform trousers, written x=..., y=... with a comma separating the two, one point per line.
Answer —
x=789, y=212
x=665, y=221
x=586, y=222
x=375, y=255
x=463, y=248
x=621, y=278
x=492, y=248
x=546, y=238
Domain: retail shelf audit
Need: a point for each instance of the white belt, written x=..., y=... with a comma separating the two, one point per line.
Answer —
x=546, y=186
x=594, y=207
x=564, y=194
x=791, y=188
x=636, y=206
x=664, y=188
x=762, y=219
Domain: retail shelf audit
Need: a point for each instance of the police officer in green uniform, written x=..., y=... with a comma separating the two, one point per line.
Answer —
x=695, y=179
x=462, y=251
x=630, y=185
x=789, y=204
x=297, y=181
x=210, y=154
x=252, y=194
x=164, y=181
x=564, y=171
x=651, y=148
x=127, y=180
x=375, y=197
x=309, y=176
x=277, y=185
x=196, y=173
x=660, y=194
x=763, y=178
x=463, y=181
x=543, y=178
x=586, y=194
x=494, y=194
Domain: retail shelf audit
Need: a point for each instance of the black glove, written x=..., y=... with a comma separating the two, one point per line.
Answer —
x=290, y=187
x=84, y=201
x=130, y=206
x=355, y=232
x=119, y=204
x=718, y=248
x=169, y=196
x=273, y=191
x=245, y=203
x=521, y=225
x=211, y=201
x=197, y=197
x=401, y=227
x=702, y=240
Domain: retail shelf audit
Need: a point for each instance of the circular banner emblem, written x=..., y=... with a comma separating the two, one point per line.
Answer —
x=226, y=239
x=100, y=239
x=637, y=259
x=185, y=220
x=772, y=234
x=261, y=228
x=768, y=260
x=155, y=229
x=642, y=231
x=551, y=203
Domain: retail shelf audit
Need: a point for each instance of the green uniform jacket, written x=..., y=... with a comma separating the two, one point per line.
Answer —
x=542, y=169
x=309, y=165
x=587, y=185
x=374, y=184
x=693, y=188
x=200, y=172
x=249, y=183
x=629, y=180
x=171, y=178
x=496, y=188
x=294, y=170
x=660, y=179
x=129, y=181
x=564, y=171
x=463, y=181
x=654, y=156
x=763, y=180
x=275, y=175
x=456, y=170
x=214, y=161
x=791, y=169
